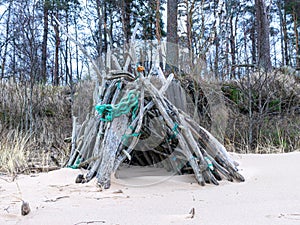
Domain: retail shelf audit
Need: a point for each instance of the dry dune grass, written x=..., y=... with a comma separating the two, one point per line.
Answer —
x=13, y=154
x=264, y=113
x=34, y=122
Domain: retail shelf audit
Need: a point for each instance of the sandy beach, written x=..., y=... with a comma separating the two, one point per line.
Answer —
x=270, y=195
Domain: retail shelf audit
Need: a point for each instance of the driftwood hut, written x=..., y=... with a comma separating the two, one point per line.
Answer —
x=143, y=118
x=136, y=122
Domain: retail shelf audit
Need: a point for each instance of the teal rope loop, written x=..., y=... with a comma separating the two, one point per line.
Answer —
x=110, y=111
x=175, y=132
x=76, y=164
x=209, y=163
x=119, y=85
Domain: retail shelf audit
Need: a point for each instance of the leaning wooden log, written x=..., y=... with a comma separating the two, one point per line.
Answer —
x=112, y=136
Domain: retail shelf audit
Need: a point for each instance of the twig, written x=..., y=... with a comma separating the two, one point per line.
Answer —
x=191, y=214
x=56, y=199
x=6, y=209
x=93, y=221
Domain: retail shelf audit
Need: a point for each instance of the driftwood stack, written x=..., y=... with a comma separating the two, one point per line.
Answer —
x=136, y=123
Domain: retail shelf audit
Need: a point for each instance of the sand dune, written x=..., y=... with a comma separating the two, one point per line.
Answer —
x=270, y=195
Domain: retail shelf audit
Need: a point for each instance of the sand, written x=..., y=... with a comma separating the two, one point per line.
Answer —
x=270, y=195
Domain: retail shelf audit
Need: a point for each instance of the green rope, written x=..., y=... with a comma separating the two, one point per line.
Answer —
x=119, y=85
x=175, y=132
x=209, y=163
x=110, y=111
x=76, y=164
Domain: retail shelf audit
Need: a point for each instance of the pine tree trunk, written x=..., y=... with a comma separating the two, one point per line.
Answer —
x=44, y=43
x=285, y=37
x=295, y=17
x=126, y=12
x=232, y=48
x=56, y=57
x=99, y=27
x=172, y=36
x=66, y=55
x=158, y=30
x=263, y=31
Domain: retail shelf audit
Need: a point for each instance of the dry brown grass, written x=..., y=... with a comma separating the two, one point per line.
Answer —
x=275, y=113
x=34, y=122
x=13, y=154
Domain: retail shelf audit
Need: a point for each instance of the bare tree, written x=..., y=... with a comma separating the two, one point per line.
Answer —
x=6, y=42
